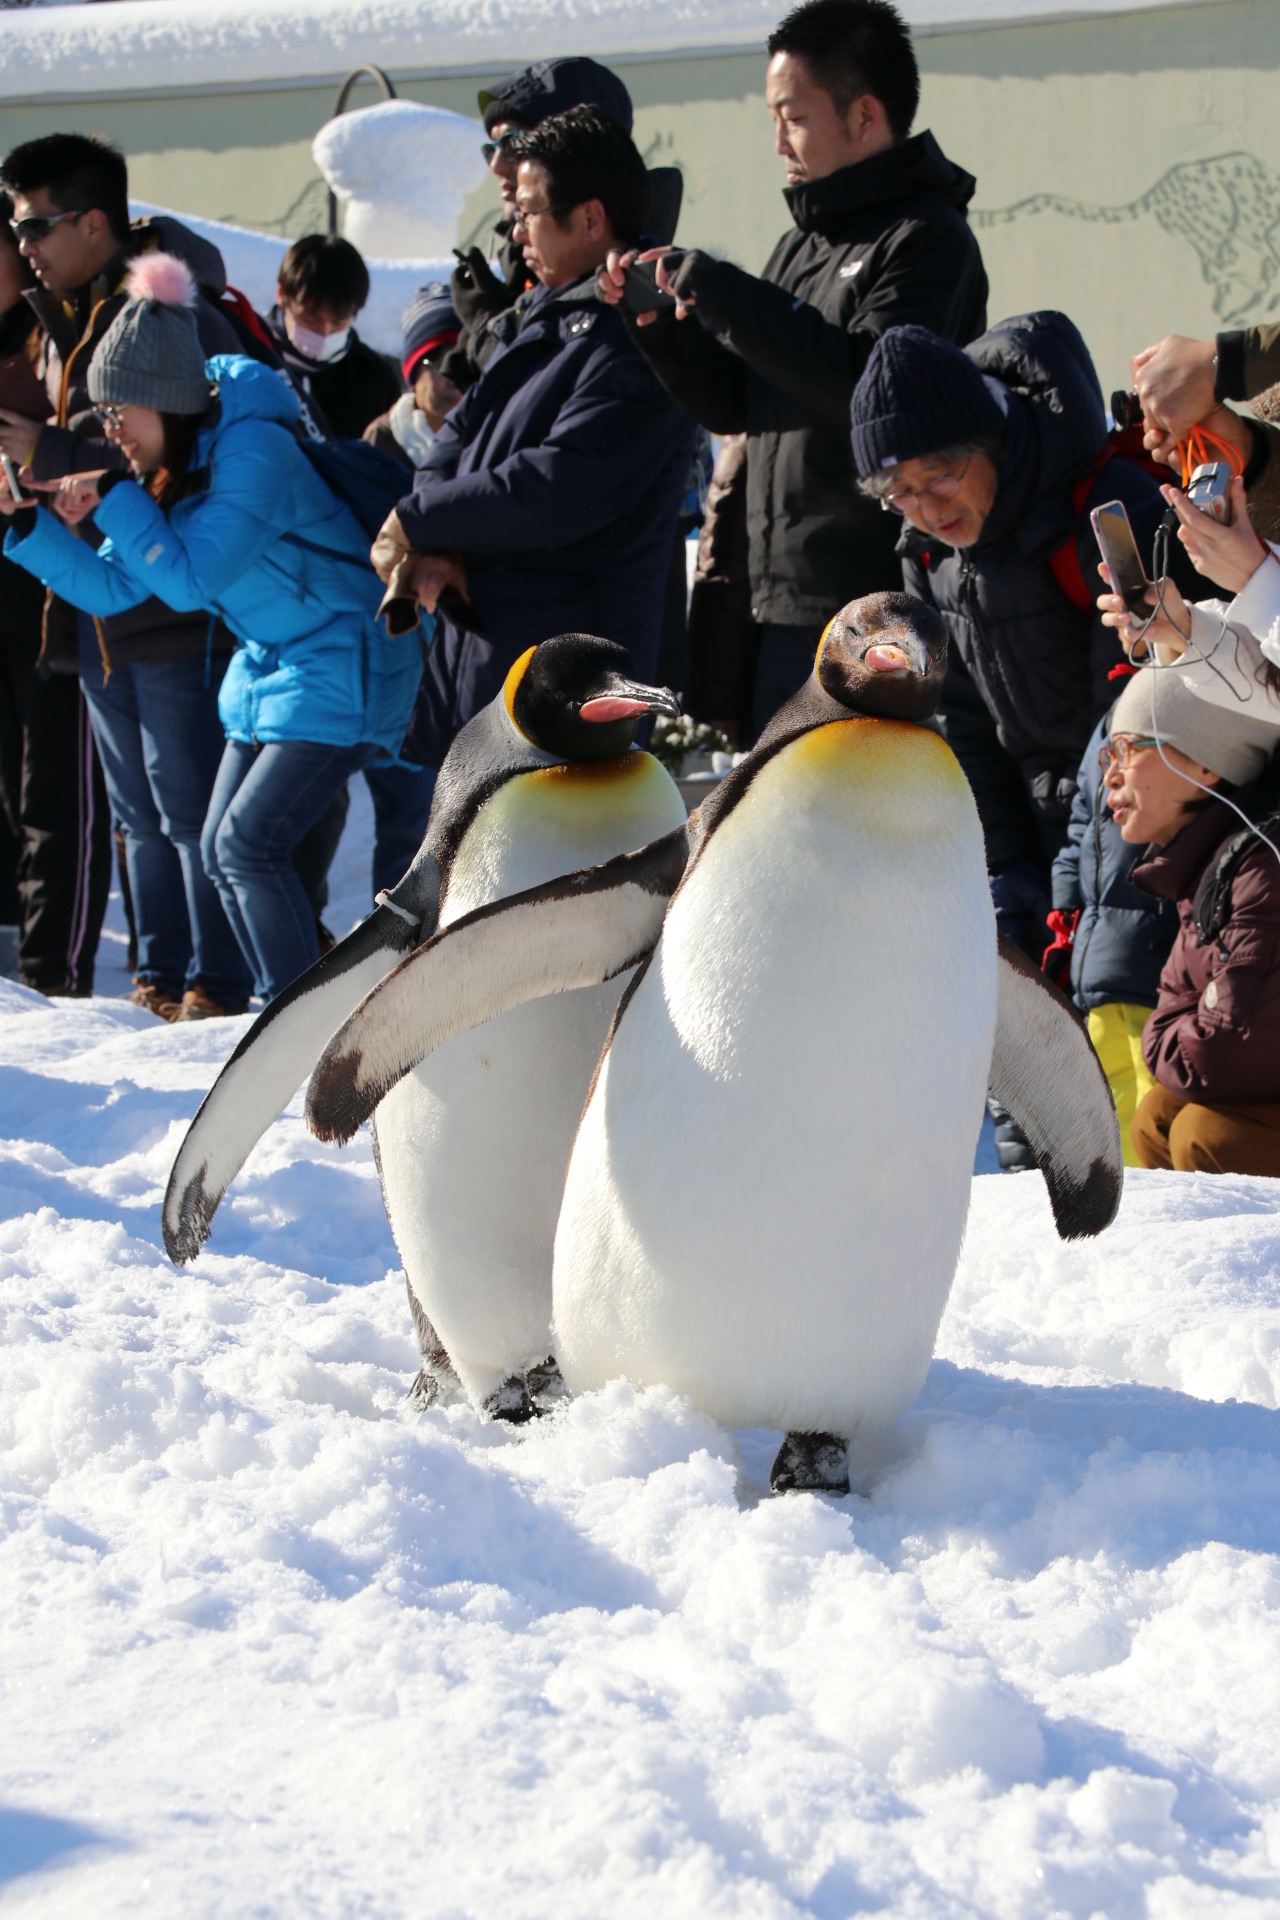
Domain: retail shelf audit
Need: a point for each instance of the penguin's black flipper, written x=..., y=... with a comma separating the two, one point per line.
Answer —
x=279, y=1051
x=572, y=932
x=1044, y=1069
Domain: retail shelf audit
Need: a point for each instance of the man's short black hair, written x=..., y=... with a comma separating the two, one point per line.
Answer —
x=77, y=171
x=324, y=270
x=853, y=47
x=588, y=157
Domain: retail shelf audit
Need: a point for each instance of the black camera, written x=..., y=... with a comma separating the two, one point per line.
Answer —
x=1126, y=410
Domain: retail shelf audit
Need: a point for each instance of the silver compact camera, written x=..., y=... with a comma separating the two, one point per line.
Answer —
x=1208, y=490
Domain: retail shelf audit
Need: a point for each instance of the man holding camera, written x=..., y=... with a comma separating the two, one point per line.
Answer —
x=547, y=502
x=879, y=236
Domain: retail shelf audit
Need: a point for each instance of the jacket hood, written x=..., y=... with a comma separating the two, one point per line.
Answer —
x=167, y=235
x=248, y=390
x=916, y=170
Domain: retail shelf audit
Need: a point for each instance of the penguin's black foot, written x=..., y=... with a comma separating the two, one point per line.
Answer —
x=546, y=1385
x=510, y=1402
x=811, y=1463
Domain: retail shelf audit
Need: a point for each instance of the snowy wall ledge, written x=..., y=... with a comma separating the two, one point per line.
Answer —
x=167, y=46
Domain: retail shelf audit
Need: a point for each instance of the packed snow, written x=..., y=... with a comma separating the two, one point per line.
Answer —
x=170, y=44
x=272, y=1643
x=402, y=173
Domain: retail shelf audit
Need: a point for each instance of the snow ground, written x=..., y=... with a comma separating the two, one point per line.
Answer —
x=272, y=1645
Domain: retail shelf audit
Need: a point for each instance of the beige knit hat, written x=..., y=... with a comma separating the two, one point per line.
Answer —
x=1158, y=701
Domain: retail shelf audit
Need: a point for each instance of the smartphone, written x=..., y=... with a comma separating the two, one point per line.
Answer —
x=642, y=294
x=1119, y=550
x=1210, y=490
x=11, y=480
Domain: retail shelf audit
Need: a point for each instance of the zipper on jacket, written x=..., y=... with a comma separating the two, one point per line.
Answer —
x=969, y=590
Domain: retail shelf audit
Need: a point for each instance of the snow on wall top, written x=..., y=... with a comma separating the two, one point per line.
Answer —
x=170, y=44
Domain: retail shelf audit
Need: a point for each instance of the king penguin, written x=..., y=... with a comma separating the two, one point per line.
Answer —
x=472, y=1147
x=769, y=1184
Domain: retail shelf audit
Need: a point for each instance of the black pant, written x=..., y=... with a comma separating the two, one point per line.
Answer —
x=55, y=804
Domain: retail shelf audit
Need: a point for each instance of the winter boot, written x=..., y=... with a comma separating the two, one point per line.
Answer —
x=811, y=1463
x=199, y=1005
x=546, y=1385
x=155, y=1000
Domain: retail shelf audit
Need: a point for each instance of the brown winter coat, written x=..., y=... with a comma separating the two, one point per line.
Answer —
x=1215, y=1034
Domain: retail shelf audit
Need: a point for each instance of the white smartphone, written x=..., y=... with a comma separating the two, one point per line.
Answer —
x=11, y=481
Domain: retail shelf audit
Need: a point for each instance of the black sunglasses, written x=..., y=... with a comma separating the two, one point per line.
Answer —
x=501, y=145
x=38, y=226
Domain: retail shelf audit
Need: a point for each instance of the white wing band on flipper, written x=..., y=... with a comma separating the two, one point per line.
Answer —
x=1044, y=1069
x=572, y=932
x=266, y=1070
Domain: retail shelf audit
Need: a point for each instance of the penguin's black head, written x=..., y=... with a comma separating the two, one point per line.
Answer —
x=574, y=696
x=885, y=655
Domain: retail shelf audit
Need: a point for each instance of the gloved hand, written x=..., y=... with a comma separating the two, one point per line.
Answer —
x=477, y=292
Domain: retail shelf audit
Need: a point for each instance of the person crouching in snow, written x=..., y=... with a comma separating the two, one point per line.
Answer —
x=1117, y=938
x=430, y=328
x=1213, y=1041
x=222, y=510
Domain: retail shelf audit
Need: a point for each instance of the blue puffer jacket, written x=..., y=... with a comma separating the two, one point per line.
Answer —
x=269, y=547
x=1124, y=936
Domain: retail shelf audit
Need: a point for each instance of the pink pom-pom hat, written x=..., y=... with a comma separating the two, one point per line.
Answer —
x=162, y=277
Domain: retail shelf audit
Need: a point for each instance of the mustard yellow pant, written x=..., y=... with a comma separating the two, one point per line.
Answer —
x=1116, y=1032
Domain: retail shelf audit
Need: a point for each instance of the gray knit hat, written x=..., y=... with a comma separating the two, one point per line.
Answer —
x=1235, y=746
x=150, y=355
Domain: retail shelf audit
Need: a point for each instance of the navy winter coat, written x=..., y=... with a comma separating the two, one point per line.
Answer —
x=1123, y=936
x=1027, y=670
x=557, y=478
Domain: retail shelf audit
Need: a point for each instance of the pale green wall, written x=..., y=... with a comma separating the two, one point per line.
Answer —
x=1147, y=146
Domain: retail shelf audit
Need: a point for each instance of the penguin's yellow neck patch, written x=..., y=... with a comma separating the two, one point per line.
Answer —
x=511, y=685
x=572, y=779
x=817, y=658
x=891, y=771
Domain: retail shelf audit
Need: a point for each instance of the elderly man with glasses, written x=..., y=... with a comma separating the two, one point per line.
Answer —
x=993, y=458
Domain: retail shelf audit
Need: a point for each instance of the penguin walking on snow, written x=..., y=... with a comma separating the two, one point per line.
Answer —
x=768, y=1188
x=472, y=1147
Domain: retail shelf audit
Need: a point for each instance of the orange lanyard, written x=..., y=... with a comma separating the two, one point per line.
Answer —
x=1201, y=447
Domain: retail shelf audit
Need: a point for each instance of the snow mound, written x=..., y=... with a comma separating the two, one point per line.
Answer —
x=402, y=172
x=271, y=1642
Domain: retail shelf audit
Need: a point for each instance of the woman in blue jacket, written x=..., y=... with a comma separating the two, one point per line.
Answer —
x=222, y=510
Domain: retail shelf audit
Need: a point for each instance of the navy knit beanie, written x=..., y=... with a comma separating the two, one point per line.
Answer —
x=917, y=395
x=428, y=321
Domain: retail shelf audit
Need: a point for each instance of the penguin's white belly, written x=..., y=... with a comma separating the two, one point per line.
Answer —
x=768, y=1191
x=473, y=1144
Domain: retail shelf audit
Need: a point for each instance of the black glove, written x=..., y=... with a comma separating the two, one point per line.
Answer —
x=477, y=292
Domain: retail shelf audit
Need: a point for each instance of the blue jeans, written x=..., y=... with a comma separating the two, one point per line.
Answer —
x=401, y=802
x=264, y=799
x=160, y=743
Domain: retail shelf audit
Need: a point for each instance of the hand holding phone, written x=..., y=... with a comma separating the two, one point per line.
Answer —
x=641, y=292
x=20, y=499
x=1120, y=551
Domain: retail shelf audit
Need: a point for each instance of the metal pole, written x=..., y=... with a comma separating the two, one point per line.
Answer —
x=352, y=81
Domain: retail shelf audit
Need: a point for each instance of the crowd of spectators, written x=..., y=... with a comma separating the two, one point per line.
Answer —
x=256, y=557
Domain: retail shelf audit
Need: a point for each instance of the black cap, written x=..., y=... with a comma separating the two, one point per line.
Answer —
x=553, y=86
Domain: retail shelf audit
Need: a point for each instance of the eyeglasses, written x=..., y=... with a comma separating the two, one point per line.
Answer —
x=1123, y=748
x=109, y=416
x=38, y=226
x=525, y=214
x=945, y=487
x=500, y=146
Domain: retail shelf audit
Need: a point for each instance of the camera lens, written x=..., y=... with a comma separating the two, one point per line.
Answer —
x=1126, y=410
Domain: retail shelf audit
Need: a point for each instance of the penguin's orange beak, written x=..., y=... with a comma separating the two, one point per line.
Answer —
x=887, y=659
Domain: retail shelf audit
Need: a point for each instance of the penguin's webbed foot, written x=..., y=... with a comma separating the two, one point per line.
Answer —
x=546, y=1385
x=811, y=1463
x=510, y=1401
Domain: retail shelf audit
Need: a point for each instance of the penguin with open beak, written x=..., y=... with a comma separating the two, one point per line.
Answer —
x=472, y=1150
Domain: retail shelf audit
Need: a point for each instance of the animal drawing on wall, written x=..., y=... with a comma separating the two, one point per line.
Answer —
x=1227, y=208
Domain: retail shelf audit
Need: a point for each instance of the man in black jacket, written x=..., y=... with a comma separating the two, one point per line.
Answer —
x=323, y=284
x=879, y=237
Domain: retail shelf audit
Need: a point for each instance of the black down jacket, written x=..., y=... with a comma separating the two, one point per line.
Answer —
x=873, y=246
x=1027, y=675
x=1123, y=936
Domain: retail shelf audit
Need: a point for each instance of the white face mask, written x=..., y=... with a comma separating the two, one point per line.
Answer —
x=320, y=347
